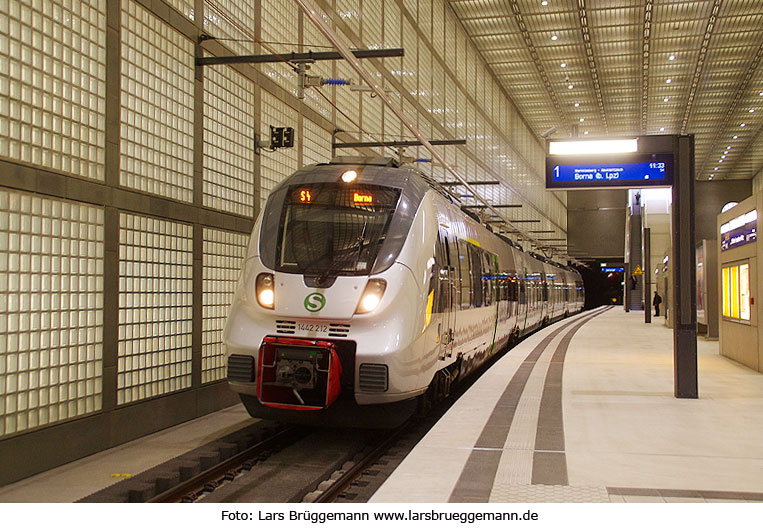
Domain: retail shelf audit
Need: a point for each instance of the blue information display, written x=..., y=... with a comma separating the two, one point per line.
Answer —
x=597, y=172
x=625, y=171
x=613, y=269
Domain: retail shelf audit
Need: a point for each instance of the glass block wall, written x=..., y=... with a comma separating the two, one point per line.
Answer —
x=157, y=106
x=228, y=141
x=275, y=167
x=223, y=256
x=51, y=301
x=155, y=307
x=52, y=89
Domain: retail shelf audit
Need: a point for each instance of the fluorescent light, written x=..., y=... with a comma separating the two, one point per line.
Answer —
x=590, y=147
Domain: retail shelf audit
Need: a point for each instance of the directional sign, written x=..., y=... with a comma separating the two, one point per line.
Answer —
x=606, y=171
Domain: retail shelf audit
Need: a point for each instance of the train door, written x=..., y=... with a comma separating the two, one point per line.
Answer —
x=524, y=302
x=447, y=290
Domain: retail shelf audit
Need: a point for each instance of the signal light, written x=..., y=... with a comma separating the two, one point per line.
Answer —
x=265, y=287
x=371, y=297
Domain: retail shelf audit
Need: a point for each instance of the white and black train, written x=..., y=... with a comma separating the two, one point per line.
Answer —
x=366, y=291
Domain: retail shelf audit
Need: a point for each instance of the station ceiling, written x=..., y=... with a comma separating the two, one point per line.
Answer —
x=633, y=67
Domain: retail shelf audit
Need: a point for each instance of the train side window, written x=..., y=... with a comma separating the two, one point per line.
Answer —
x=439, y=281
x=476, y=270
x=466, y=279
x=484, y=277
x=522, y=291
x=491, y=269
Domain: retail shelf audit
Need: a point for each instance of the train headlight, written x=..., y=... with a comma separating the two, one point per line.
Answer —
x=371, y=297
x=265, y=287
x=349, y=175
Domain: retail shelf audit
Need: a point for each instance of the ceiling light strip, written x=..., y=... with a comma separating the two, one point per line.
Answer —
x=721, y=131
x=592, y=62
x=700, y=62
x=536, y=59
x=646, y=42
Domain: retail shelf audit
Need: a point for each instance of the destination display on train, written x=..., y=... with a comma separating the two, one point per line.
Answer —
x=650, y=171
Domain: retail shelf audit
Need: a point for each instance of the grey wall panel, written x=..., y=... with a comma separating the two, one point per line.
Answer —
x=709, y=198
x=596, y=222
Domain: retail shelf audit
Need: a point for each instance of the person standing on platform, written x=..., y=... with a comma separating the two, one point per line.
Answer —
x=656, y=301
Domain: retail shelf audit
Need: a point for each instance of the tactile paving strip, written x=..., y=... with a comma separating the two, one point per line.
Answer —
x=546, y=493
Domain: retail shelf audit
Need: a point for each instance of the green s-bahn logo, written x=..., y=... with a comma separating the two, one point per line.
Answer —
x=314, y=302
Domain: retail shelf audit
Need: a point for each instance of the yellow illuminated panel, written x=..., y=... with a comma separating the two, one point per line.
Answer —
x=744, y=292
x=362, y=198
x=735, y=287
x=726, y=293
x=305, y=196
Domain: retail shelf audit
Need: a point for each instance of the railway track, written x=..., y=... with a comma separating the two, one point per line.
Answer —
x=271, y=462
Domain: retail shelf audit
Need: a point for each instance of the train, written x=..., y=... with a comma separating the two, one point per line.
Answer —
x=367, y=291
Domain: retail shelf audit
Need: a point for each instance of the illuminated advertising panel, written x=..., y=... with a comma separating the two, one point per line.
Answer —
x=740, y=230
x=735, y=286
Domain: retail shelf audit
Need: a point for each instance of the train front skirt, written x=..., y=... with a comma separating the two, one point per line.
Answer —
x=298, y=374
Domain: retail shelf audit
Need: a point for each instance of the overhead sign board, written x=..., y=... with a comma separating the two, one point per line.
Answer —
x=627, y=170
x=612, y=269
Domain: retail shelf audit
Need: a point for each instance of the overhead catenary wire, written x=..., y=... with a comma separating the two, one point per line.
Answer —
x=265, y=44
x=345, y=51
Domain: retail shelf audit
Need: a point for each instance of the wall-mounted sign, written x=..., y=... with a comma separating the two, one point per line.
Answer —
x=608, y=171
x=612, y=269
x=740, y=230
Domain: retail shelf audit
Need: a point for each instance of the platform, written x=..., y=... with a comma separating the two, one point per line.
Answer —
x=78, y=479
x=583, y=411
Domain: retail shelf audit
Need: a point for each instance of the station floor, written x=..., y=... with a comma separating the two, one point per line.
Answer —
x=583, y=411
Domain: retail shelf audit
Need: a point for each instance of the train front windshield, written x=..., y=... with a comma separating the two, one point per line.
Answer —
x=334, y=228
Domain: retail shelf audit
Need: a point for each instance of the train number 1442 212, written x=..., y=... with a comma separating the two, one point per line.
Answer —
x=316, y=328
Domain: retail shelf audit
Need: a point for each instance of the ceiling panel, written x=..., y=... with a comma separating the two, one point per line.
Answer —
x=718, y=83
